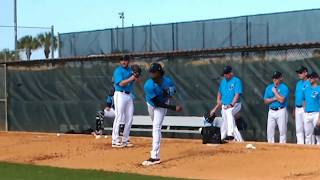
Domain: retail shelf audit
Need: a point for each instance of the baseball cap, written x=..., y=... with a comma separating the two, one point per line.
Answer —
x=227, y=70
x=302, y=69
x=313, y=75
x=125, y=58
x=155, y=67
x=276, y=75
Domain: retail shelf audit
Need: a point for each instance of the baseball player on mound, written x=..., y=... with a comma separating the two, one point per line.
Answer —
x=229, y=94
x=124, y=78
x=298, y=113
x=311, y=96
x=276, y=96
x=158, y=90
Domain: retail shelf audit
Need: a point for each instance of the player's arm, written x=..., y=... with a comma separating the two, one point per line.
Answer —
x=127, y=81
x=278, y=96
x=267, y=99
x=235, y=100
x=238, y=92
x=219, y=98
x=118, y=78
x=216, y=107
x=158, y=103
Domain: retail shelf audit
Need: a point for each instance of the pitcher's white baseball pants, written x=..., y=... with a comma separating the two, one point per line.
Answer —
x=228, y=126
x=123, y=105
x=157, y=115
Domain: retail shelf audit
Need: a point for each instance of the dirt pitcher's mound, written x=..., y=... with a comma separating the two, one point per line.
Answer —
x=180, y=158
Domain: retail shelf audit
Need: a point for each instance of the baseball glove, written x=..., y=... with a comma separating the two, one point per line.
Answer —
x=209, y=118
x=136, y=70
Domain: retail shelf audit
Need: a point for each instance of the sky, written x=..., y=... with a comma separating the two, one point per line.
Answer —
x=82, y=15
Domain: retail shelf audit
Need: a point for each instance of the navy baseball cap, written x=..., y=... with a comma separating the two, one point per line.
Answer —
x=155, y=67
x=125, y=58
x=301, y=69
x=226, y=70
x=276, y=75
x=313, y=75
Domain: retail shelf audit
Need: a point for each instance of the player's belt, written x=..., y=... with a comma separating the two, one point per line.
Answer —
x=127, y=92
x=278, y=108
x=310, y=111
x=299, y=106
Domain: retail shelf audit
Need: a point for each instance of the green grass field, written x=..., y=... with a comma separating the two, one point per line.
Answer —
x=10, y=171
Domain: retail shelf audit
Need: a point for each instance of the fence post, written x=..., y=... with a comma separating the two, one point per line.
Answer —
x=52, y=42
x=203, y=35
x=268, y=37
x=6, y=98
x=249, y=35
x=172, y=29
x=132, y=38
x=59, y=45
x=150, y=38
x=117, y=34
x=177, y=37
x=111, y=37
x=247, y=31
x=230, y=33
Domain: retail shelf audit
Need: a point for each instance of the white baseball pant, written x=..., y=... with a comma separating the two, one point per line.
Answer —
x=157, y=115
x=280, y=118
x=310, y=122
x=228, y=126
x=123, y=104
x=299, y=121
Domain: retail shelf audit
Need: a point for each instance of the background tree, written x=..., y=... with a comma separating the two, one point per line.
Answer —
x=45, y=42
x=28, y=44
x=6, y=54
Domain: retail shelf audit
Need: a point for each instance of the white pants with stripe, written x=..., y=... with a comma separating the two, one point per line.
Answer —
x=300, y=125
x=310, y=122
x=123, y=105
x=228, y=126
x=157, y=115
x=280, y=118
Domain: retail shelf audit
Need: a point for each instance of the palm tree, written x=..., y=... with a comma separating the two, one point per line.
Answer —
x=28, y=43
x=45, y=41
x=7, y=55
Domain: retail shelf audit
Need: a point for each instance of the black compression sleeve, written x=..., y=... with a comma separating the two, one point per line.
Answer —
x=157, y=103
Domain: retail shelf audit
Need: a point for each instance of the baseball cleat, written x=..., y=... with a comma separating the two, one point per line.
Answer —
x=127, y=144
x=117, y=145
x=151, y=161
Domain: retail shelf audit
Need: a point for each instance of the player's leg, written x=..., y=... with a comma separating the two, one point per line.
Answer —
x=235, y=110
x=271, y=125
x=119, y=104
x=308, y=127
x=159, y=114
x=282, y=121
x=128, y=121
x=223, y=128
x=315, y=120
x=230, y=121
x=299, y=113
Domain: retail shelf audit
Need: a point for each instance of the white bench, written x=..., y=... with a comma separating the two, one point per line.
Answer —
x=174, y=124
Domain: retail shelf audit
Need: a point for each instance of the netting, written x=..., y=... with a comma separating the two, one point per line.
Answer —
x=278, y=28
x=49, y=95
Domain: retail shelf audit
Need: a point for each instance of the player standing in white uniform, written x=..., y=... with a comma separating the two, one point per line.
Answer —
x=276, y=96
x=158, y=90
x=311, y=96
x=230, y=91
x=124, y=78
x=298, y=113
